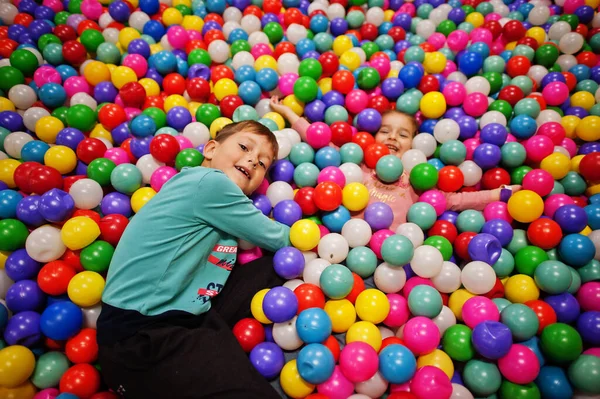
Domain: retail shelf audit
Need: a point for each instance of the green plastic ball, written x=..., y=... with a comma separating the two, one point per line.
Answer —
x=305, y=89
x=518, y=174
x=425, y=300
x=108, y=53
x=13, y=234
x=236, y=47
x=571, y=19
x=336, y=281
x=370, y=48
x=422, y=214
x=397, y=250
x=355, y=19
x=442, y=244
x=495, y=81
x=100, y=170
x=96, y=257
x=389, y=168
x=81, y=117
x=207, y=113
x=189, y=157
x=561, y=343
x=61, y=17
x=353, y=153
x=423, y=176
x=584, y=374
x=482, y=378
x=9, y=77
x=61, y=113
x=529, y=258
x=446, y=27
x=513, y=154
x=201, y=56
x=274, y=32
x=311, y=68
x=368, y=78
x=46, y=39
x=457, y=343
x=573, y=184
x=521, y=320
x=91, y=39
x=25, y=61
x=510, y=390
x=362, y=261
x=158, y=116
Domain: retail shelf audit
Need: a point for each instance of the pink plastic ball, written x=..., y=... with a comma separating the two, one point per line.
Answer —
x=262, y=188
x=479, y=309
x=554, y=130
x=160, y=176
x=572, y=5
x=318, y=135
x=449, y=68
x=421, y=335
x=589, y=296
x=377, y=240
x=137, y=63
x=431, y=382
x=592, y=352
x=286, y=83
x=177, y=36
x=194, y=35
x=55, y=5
x=117, y=155
x=570, y=145
x=333, y=174
x=454, y=93
x=382, y=65
x=337, y=386
x=46, y=74
x=540, y=181
x=399, y=312
x=511, y=139
x=248, y=255
x=92, y=9
x=131, y=112
x=358, y=361
x=476, y=104
x=49, y=393
x=497, y=210
x=457, y=40
x=77, y=84
x=538, y=148
x=436, y=199
x=260, y=49
x=323, y=231
x=471, y=144
x=356, y=101
x=437, y=40
x=553, y=202
x=413, y=282
x=481, y=35
x=520, y=365
x=493, y=16
x=555, y=93
x=497, y=47
x=184, y=142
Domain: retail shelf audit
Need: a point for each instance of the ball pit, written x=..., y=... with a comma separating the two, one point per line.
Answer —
x=103, y=102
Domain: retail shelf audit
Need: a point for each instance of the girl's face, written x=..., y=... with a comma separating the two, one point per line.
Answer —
x=396, y=132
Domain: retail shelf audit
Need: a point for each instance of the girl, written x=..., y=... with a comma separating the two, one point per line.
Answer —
x=397, y=132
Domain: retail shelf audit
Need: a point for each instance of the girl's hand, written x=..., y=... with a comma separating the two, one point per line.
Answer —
x=278, y=107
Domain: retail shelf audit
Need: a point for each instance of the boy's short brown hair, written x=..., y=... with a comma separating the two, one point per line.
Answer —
x=412, y=119
x=250, y=127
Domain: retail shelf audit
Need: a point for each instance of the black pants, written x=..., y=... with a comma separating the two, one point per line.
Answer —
x=206, y=362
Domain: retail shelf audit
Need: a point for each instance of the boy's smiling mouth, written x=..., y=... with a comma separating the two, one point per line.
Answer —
x=245, y=171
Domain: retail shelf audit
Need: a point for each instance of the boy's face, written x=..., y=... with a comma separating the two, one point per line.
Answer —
x=244, y=157
x=396, y=132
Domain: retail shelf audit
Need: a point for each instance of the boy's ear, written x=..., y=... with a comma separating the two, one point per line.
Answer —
x=209, y=149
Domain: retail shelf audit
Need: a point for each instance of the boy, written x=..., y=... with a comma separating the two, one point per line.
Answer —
x=165, y=326
x=397, y=132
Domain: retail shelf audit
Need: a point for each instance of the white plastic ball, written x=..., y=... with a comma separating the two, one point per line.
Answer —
x=492, y=117
x=478, y=84
x=457, y=77
x=566, y=61
x=32, y=115
x=374, y=387
x=352, y=172
x=197, y=133
x=539, y=15
x=105, y=20
x=389, y=279
x=427, y=261
x=291, y=135
x=293, y=284
x=279, y=191
x=285, y=146
x=242, y=58
x=232, y=14
x=336, y=11
x=425, y=28
x=90, y=315
x=537, y=73
x=558, y=30
x=8, y=12
x=357, y=232
x=412, y=158
x=445, y=319
x=448, y=279
x=111, y=35
x=471, y=172
x=296, y=32
x=288, y=63
x=312, y=271
x=250, y=23
x=413, y=232
x=44, y=244
x=14, y=142
x=571, y=43
x=333, y=247
x=86, y=193
x=83, y=99
x=219, y=51
x=138, y=19
x=147, y=164
x=286, y=336
x=478, y=277
x=446, y=130
x=22, y=96
x=258, y=37
x=425, y=142
x=230, y=26
x=375, y=16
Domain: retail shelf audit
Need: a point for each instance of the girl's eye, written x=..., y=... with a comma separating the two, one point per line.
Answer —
x=243, y=147
x=262, y=164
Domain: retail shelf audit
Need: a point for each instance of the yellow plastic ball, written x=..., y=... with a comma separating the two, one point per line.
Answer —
x=172, y=16
x=16, y=365
x=305, y=235
x=111, y=67
x=294, y=104
x=537, y=33
x=134, y=3
x=341, y=44
x=217, y=125
x=100, y=132
x=193, y=107
x=79, y=232
x=350, y=60
x=61, y=158
x=372, y=305
x=575, y=161
x=3, y=256
x=156, y=48
x=192, y=22
x=175, y=100
x=589, y=128
x=583, y=99
x=355, y=196
x=388, y=15
x=7, y=171
x=475, y=18
x=593, y=3
x=24, y=391
x=457, y=300
x=123, y=75
x=150, y=86
x=586, y=231
x=510, y=46
x=275, y=117
x=342, y=314
x=291, y=382
x=364, y=331
x=439, y=359
x=265, y=61
x=186, y=3
x=126, y=35
x=225, y=87
x=325, y=84
x=47, y=128
x=6, y=104
x=393, y=73
x=85, y=288
x=435, y=62
x=141, y=197
x=256, y=306
x=521, y=288
x=96, y=72
x=557, y=164
x=593, y=190
x=570, y=123
x=525, y=206
x=433, y=105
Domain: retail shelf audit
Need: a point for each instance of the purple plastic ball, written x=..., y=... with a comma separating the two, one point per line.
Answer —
x=263, y=203
x=116, y=203
x=20, y=266
x=280, y=304
x=500, y=229
x=282, y=170
x=368, y=120
x=56, y=205
x=492, y=339
x=288, y=263
x=287, y=212
x=565, y=306
x=25, y=295
x=23, y=329
x=379, y=215
x=268, y=359
x=28, y=211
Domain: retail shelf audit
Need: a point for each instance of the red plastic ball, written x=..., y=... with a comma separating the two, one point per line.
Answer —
x=544, y=312
x=174, y=83
x=429, y=83
x=292, y=16
x=74, y=52
x=212, y=35
x=272, y=6
x=309, y=296
x=529, y=41
x=87, y=24
x=341, y=133
x=88, y=214
x=154, y=101
x=44, y=178
x=249, y=333
x=511, y=94
x=357, y=287
x=379, y=103
x=363, y=139
x=450, y=179
x=369, y=31
x=494, y=27
x=23, y=19
x=513, y=30
x=229, y=104
x=328, y=196
x=65, y=33
x=89, y=149
x=83, y=347
x=494, y=178
x=334, y=346
x=214, y=17
x=391, y=341
x=164, y=148
x=329, y=62
x=374, y=153
x=343, y=81
x=72, y=258
x=497, y=290
x=284, y=47
x=461, y=244
x=54, y=277
x=133, y=94
x=587, y=58
x=221, y=72
x=397, y=33
x=21, y=175
x=198, y=89
x=517, y=66
x=544, y=233
x=589, y=167
x=571, y=80
x=7, y=46
x=445, y=229
x=126, y=145
x=70, y=180
x=82, y=380
x=305, y=198
x=112, y=115
x=112, y=228
x=253, y=10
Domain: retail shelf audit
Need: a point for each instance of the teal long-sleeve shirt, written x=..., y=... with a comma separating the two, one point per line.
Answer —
x=178, y=250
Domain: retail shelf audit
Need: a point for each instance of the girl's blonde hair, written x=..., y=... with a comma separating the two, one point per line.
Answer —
x=410, y=117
